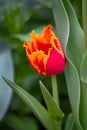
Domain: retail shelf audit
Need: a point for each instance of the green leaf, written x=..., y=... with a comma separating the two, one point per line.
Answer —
x=74, y=52
x=53, y=109
x=6, y=68
x=74, y=49
x=70, y=122
x=61, y=20
x=83, y=68
x=40, y=112
x=73, y=86
x=83, y=102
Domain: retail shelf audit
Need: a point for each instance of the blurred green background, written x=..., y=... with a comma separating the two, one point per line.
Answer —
x=17, y=19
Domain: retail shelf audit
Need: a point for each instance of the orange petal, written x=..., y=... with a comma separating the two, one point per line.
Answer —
x=37, y=61
x=47, y=32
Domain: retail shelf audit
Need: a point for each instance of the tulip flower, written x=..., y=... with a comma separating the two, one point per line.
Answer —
x=45, y=52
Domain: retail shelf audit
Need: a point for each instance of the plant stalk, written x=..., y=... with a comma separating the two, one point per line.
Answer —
x=55, y=89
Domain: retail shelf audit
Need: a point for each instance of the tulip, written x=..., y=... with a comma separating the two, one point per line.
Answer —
x=45, y=52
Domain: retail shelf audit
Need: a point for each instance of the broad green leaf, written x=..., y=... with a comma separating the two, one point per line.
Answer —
x=40, y=112
x=70, y=122
x=74, y=51
x=74, y=47
x=73, y=86
x=61, y=21
x=83, y=68
x=83, y=102
x=6, y=68
x=53, y=109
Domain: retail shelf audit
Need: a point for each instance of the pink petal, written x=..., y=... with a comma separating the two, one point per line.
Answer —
x=55, y=63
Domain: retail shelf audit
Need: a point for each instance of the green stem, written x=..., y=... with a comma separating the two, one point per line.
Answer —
x=55, y=89
x=84, y=12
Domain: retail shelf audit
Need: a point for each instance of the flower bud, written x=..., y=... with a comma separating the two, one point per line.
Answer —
x=45, y=52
